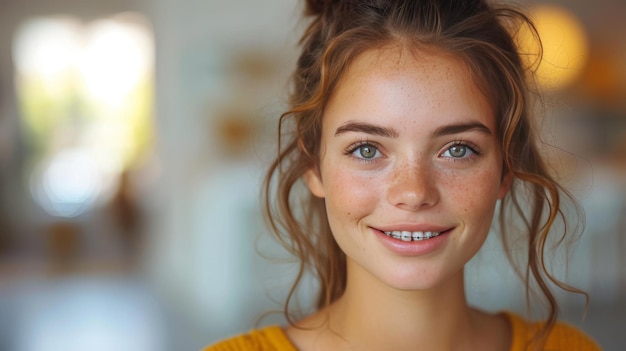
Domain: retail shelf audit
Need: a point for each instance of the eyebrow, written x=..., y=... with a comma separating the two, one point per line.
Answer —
x=352, y=126
x=460, y=128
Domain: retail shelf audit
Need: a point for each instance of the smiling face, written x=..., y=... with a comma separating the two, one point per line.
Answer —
x=410, y=167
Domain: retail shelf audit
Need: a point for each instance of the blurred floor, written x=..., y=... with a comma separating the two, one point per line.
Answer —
x=90, y=312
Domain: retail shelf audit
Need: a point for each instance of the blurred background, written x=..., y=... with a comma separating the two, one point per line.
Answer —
x=133, y=139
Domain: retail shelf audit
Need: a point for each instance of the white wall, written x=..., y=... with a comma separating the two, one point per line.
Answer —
x=206, y=213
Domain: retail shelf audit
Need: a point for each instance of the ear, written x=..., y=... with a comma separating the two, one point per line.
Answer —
x=313, y=181
x=505, y=184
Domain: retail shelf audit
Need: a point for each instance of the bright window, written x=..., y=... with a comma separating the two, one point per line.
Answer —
x=85, y=92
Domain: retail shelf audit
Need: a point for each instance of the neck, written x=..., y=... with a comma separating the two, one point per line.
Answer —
x=386, y=318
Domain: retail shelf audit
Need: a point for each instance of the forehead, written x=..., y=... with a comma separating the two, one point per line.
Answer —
x=427, y=65
x=383, y=78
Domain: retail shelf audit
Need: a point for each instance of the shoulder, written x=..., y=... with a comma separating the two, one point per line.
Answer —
x=267, y=339
x=563, y=337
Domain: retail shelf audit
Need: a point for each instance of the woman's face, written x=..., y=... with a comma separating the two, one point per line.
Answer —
x=410, y=167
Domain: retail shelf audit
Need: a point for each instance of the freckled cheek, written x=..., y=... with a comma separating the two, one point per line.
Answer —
x=474, y=194
x=351, y=194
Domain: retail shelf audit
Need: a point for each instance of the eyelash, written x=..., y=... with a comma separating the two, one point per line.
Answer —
x=471, y=146
x=356, y=146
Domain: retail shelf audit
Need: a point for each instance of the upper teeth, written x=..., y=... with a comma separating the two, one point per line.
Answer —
x=408, y=236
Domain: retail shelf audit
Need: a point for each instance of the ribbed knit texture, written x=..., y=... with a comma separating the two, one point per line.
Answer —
x=563, y=338
x=270, y=338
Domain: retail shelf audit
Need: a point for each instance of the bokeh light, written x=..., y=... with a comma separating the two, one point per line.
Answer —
x=70, y=182
x=47, y=48
x=114, y=60
x=565, y=46
x=85, y=96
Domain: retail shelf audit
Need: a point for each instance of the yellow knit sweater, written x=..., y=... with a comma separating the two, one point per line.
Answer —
x=562, y=338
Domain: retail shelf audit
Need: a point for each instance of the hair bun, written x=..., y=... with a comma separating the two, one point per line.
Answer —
x=317, y=7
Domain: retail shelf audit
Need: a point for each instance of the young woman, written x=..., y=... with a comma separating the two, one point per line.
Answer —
x=410, y=121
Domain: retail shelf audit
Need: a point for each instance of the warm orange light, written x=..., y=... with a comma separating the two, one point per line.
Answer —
x=565, y=46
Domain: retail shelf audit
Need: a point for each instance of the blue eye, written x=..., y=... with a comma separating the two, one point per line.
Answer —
x=458, y=151
x=366, y=151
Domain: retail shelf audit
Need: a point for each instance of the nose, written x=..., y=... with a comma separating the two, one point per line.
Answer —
x=413, y=187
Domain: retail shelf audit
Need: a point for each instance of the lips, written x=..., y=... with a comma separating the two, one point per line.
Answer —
x=412, y=240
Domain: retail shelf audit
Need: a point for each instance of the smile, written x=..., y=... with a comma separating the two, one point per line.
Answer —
x=411, y=236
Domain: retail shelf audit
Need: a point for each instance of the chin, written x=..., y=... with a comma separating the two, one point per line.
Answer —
x=418, y=279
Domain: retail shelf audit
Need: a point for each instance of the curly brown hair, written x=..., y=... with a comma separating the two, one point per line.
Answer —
x=482, y=36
